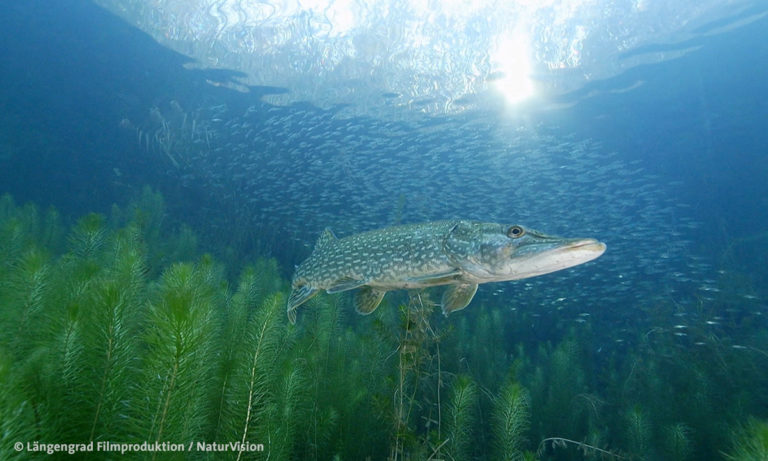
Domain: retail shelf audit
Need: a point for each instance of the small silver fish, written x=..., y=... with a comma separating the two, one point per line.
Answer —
x=461, y=254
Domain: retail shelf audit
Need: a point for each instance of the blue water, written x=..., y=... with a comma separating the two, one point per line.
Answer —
x=666, y=162
x=671, y=173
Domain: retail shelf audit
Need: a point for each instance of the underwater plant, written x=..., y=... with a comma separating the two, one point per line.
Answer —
x=678, y=442
x=118, y=329
x=460, y=417
x=418, y=382
x=750, y=442
x=176, y=376
x=511, y=417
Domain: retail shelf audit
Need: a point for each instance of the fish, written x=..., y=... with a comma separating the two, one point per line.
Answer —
x=458, y=253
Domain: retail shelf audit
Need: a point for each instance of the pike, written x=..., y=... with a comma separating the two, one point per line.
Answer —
x=461, y=254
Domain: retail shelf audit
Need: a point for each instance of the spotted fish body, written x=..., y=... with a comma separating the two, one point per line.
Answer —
x=461, y=254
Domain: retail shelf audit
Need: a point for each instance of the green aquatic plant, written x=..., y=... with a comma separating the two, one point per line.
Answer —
x=511, y=420
x=119, y=330
x=17, y=418
x=254, y=369
x=556, y=375
x=165, y=240
x=460, y=417
x=23, y=228
x=232, y=340
x=487, y=361
x=750, y=442
x=417, y=393
x=638, y=430
x=26, y=289
x=176, y=374
x=586, y=449
x=663, y=385
x=352, y=375
x=323, y=359
x=288, y=410
x=677, y=442
x=106, y=332
x=73, y=325
x=88, y=237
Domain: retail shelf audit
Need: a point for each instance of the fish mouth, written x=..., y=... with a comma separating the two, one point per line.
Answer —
x=579, y=251
x=546, y=257
x=563, y=253
x=588, y=245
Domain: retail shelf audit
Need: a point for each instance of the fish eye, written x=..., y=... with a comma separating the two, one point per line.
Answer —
x=515, y=232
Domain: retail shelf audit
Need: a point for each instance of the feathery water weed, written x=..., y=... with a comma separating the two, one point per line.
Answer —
x=27, y=285
x=287, y=413
x=255, y=366
x=176, y=364
x=677, y=442
x=112, y=342
x=511, y=419
x=638, y=430
x=20, y=228
x=460, y=416
x=232, y=339
x=17, y=420
x=88, y=237
x=110, y=327
x=750, y=442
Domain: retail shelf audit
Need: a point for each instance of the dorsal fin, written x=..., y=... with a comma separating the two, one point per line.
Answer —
x=326, y=239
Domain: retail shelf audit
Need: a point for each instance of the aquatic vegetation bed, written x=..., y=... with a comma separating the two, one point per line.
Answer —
x=117, y=329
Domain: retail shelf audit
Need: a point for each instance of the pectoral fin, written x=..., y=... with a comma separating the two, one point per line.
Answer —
x=457, y=297
x=299, y=295
x=367, y=299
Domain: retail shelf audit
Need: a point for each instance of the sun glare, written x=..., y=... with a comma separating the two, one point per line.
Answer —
x=511, y=59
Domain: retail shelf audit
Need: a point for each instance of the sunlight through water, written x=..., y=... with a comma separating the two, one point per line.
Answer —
x=388, y=57
x=512, y=58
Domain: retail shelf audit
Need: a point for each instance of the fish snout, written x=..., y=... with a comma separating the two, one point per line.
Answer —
x=587, y=245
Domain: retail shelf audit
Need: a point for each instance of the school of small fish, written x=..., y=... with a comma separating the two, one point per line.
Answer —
x=294, y=171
